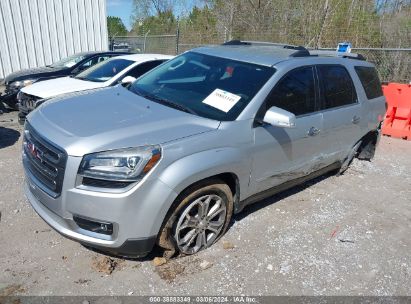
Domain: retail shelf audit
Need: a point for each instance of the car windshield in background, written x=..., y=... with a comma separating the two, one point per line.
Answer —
x=68, y=62
x=208, y=86
x=105, y=70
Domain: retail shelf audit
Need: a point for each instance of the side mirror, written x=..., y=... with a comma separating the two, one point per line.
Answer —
x=279, y=118
x=127, y=80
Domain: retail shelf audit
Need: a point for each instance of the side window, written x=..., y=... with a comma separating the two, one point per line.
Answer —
x=143, y=68
x=93, y=61
x=337, y=86
x=370, y=81
x=86, y=64
x=295, y=92
x=102, y=58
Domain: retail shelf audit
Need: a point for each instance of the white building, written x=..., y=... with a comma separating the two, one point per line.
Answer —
x=38, y=32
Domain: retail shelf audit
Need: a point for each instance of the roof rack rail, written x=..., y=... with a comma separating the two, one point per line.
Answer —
x=300, y=50
x=336, y=54
x=236, y=42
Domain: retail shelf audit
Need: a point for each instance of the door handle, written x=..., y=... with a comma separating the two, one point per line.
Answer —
x=313, y=131
x=356, y=119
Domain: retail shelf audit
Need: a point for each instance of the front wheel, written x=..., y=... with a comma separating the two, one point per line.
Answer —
x=200, y=218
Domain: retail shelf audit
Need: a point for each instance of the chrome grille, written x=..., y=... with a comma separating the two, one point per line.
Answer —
x=44, y=161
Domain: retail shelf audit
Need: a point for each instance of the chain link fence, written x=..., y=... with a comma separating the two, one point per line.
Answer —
x=393, y=64
x=378, y=29
x=162, y=44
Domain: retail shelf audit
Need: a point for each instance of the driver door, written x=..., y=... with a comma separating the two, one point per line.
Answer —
x=283, y=154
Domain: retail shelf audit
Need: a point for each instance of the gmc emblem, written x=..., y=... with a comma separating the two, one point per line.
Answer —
x=34, y=151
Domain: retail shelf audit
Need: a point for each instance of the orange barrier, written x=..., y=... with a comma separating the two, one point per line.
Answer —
x=397, y=121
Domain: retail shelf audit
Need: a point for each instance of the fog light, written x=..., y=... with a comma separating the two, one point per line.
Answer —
x=94, y=226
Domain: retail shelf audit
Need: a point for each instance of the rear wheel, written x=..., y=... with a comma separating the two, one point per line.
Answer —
x=200, y=218
x=347, y=162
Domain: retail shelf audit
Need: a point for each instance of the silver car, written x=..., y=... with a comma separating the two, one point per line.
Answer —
x=169, y=159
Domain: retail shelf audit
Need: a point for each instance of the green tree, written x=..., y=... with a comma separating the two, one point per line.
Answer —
x=159, y=24
x=115, y=27
x=198, y=27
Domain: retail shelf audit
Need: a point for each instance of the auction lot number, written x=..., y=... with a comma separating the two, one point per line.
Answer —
x=202, y=299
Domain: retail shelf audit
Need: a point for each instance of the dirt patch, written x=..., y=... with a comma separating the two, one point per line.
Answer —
x=228, y=245
x=181, y=267
x=158, y=261
x=105, y=264
x=170, y=271
x=11, y=290
x=82, y=281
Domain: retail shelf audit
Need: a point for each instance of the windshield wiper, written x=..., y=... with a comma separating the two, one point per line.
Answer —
x=170, y=103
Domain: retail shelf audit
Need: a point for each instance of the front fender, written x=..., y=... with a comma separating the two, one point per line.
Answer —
x=201, y=165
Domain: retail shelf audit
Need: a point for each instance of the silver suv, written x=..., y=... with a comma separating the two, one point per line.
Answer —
x=169, y=159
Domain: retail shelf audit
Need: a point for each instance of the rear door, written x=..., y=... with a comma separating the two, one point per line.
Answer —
x=341, y=110
x=283, y=154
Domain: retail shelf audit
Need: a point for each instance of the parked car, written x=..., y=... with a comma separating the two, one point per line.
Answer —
x=71, y=65
x=169, y=159
x=123, y=47
x=122, y=69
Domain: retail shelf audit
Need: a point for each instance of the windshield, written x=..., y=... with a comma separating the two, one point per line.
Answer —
x=204, y=85
x=105, y=70
x=68, y=62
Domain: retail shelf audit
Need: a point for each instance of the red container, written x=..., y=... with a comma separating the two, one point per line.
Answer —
x=397, y=122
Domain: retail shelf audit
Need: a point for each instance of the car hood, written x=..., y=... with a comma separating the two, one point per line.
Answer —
x=34, y=73
x=112, y=118
x=58, y=86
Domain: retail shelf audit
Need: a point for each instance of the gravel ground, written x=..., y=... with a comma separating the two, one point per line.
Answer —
x=347, y=235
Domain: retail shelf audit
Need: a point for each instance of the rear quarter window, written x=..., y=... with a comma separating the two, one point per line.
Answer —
x=370, y=81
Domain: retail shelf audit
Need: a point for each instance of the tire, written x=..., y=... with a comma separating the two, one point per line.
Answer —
x=198, y=218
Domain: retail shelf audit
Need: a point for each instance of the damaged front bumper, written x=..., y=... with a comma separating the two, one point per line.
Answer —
x=9, y=97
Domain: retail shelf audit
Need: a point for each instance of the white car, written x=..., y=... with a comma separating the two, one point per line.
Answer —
x=121, y=69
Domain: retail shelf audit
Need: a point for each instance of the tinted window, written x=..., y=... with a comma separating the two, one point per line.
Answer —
x=105, y=70
x=208, y=86
x=295, y=92
x=370, y=81
x=337, y=86
x=92, y=61
x=68, y=62
x=143, y=68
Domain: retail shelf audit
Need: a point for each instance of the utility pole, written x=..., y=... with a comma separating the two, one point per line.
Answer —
x=177, y=35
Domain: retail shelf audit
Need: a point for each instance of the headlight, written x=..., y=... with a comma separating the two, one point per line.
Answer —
x=20, y=96
x=124, y=165
x=23, y=83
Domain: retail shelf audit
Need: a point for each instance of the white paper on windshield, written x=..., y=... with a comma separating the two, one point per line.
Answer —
x=222, y=100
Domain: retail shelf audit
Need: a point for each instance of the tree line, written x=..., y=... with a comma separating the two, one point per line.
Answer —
x=312, y=23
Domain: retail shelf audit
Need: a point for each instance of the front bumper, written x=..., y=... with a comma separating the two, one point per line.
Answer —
x=136, y=214
x=23, y=112
x=27, y=104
